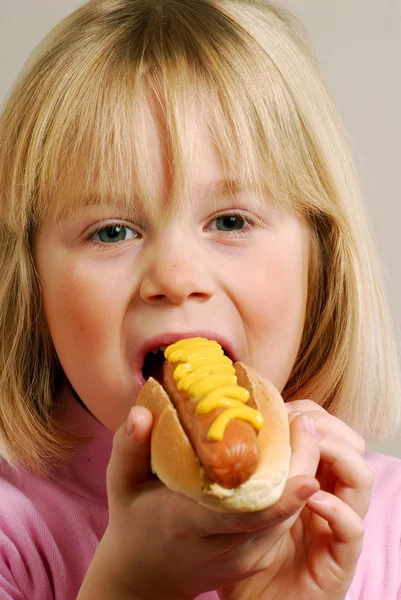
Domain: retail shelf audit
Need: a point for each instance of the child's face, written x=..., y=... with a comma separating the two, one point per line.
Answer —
x=218, y=269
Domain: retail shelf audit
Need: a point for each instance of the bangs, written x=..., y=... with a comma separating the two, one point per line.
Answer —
x=83, y=133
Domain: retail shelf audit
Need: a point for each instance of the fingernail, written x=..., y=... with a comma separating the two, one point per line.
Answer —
x=305, y=492
x=294, y=415
x=318, y=496
x=129, y=424
x=309, y=424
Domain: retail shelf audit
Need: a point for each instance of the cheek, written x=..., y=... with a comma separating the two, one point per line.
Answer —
x=275, y=311
x=76, y=304
x=279, y=286
x=277, y=303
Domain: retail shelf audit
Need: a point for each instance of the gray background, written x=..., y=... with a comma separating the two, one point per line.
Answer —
x=358, y=44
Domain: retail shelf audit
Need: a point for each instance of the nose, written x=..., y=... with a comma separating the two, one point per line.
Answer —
x=175, y=272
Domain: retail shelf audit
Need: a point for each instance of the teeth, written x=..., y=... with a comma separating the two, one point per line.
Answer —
x=161, y=349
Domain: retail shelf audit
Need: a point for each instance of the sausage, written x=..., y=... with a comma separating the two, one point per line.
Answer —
x=229, y=462
x=201, y=378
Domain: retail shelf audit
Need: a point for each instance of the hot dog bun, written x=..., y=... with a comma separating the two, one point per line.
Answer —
x=174, y=461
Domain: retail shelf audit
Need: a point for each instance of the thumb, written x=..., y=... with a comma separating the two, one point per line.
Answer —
x=129, y=464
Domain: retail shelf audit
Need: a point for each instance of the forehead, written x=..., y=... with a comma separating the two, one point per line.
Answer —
x=153, y=151
x=154, y=168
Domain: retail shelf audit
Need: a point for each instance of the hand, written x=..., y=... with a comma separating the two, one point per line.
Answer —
x=320, y=554
x=162, y=545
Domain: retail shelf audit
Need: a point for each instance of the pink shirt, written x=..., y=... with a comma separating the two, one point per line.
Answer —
x=49, y=528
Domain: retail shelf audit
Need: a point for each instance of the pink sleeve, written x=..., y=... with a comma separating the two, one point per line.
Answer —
x=8, y=591
x=23, y=574
x=378, y=573
x=9, y=556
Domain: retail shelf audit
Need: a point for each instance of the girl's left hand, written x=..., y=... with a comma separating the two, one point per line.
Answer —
x=318, y=558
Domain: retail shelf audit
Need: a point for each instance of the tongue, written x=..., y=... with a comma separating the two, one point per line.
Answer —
x=153, y=366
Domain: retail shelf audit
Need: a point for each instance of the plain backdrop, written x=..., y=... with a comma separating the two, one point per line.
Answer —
x=358, y=45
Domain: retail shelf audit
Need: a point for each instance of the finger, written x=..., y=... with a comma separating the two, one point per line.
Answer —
x=346, y=526
x=354, y=477
x=300, y=485
x=327, y=423
x=301, y=406
x=129, y=464
x=236, y=530
x=305, y=449
x=334, y=426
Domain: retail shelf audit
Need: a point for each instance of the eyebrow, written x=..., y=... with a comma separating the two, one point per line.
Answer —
x=218, y=188
x=93, y=199
x=225, y=187
x=78, y=201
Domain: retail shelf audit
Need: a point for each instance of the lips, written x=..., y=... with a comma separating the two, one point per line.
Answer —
x=150, y=356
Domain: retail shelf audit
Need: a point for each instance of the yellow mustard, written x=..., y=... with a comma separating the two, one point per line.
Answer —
x=208, y=376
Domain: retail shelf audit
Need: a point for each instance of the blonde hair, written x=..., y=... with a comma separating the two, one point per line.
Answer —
x=246, y=66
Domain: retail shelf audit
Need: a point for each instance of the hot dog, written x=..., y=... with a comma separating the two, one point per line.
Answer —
x=220, y=433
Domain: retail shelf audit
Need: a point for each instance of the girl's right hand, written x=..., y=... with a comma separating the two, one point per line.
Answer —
x=160, y=544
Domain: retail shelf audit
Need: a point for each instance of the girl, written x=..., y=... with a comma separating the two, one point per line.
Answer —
x=170, y=169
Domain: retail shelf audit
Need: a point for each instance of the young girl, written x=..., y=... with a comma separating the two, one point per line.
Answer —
x=171, y=169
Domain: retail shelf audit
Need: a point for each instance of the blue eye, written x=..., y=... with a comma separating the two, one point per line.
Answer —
x=112, y=234
x=230, y=223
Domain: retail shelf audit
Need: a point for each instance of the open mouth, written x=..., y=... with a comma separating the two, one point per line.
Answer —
x=153, y=364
